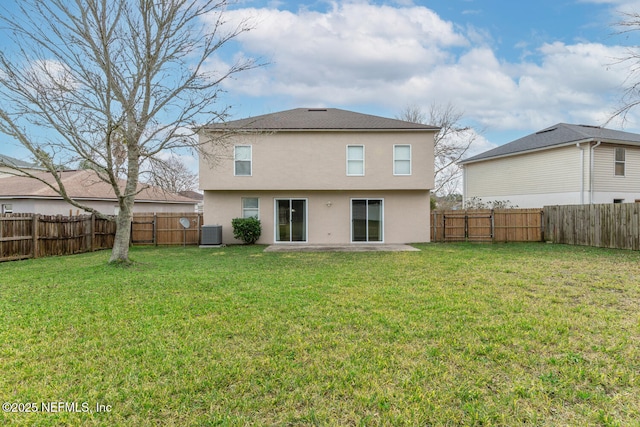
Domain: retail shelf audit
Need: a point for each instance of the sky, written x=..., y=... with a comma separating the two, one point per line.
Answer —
x=511, y=67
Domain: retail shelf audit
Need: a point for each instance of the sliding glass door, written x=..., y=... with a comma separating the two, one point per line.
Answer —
x=366, y=220
x=291, y=220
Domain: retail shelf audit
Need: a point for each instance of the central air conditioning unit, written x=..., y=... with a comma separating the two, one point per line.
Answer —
x=211, y=235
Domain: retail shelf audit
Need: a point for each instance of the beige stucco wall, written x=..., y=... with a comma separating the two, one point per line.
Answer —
x=316, y=160
x=406, y=214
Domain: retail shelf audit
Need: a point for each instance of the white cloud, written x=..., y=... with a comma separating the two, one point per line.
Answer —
x=357, y=54
x=352, y=46
x=629, y=6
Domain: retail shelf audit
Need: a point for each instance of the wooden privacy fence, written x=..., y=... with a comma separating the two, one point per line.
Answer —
x=165, y=229
x=607, y=225
x=486, y=225
x=33, y=235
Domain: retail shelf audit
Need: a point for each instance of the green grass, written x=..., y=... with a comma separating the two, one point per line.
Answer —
x=509, y=334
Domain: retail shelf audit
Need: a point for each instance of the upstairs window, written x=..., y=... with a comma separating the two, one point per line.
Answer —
x=620, y=161
x=242, y=160
x=355, y=160
x=402, y=160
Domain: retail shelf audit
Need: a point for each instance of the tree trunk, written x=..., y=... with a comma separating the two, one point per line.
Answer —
x=120, y=251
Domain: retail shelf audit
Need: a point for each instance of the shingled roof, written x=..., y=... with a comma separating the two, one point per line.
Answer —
x=319, y=119
x=80, y=185
x=556, y=136
x=11, y=161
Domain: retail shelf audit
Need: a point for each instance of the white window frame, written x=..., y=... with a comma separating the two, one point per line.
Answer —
x=7, y=208
x=395, y=160
x=245, y=209
x=622, y=162
x=349, y=160
x=236, y=160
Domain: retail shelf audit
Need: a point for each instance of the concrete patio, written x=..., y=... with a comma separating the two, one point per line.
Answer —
x=341, y=248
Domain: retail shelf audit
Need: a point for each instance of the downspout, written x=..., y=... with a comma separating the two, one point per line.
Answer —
x=581, y=173
x=464, y=186
x=591, y=167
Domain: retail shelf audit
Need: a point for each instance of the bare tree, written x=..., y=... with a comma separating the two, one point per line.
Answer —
x=112, y=83
x=631, y=96
x=451, y=143
x=172, y=175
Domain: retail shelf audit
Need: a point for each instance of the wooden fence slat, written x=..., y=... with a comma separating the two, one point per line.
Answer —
x=33, y=235
x=614, y=225
x=484, y=225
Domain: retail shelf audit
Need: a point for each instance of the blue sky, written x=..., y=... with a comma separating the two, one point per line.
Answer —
x=513, y=67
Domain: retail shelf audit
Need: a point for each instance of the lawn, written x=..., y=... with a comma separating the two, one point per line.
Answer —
x=457, y=334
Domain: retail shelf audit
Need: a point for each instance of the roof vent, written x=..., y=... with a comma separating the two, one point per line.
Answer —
x=546, y=130
x=317, y=109
x=590, y=126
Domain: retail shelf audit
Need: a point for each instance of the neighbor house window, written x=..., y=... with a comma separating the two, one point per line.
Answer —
x=7, y=208
x=242, y=159
x=620, y=160
x=402, y=160
x=355, y=160
x=250, y=207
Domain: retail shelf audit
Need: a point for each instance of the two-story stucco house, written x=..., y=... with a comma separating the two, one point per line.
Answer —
x=320, y=176
x=561, y=165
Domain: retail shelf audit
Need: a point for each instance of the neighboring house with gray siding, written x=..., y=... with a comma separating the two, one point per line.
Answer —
x=320, y=176
x=560, y=165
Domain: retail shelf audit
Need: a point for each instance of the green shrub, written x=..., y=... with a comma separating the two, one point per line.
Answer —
x=246, y=229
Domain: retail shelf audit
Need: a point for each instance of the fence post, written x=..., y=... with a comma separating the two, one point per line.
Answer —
x=434, y=224
x=92, y=243
x=34, y=235
x=493, y=226
x=198, y=232
x=444, y=227
x=466, y=226
x=155, y=229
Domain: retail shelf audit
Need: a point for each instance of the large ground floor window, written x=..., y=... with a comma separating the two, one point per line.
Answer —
x=367, y=220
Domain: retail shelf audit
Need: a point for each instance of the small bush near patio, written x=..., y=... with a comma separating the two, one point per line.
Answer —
x=246, y=229
x=453, y=335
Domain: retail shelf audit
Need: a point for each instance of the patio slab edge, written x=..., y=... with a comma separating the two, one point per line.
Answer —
x=341, y=248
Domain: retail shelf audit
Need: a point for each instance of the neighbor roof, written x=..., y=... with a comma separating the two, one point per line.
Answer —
x=80, y=185
x=319, y=119
x=11, y=161
x=557, y=135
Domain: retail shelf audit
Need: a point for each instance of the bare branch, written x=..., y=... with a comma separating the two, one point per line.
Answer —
x=112, y=84
x=450, y=144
